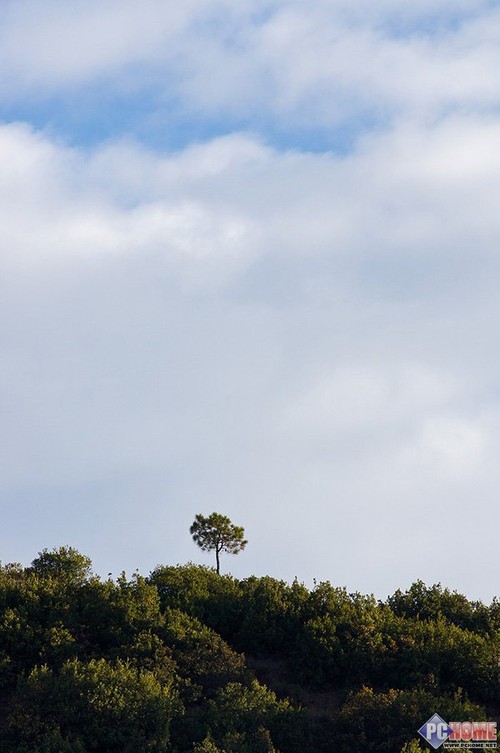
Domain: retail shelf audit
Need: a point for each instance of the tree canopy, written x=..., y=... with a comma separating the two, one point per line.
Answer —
x=216, y=533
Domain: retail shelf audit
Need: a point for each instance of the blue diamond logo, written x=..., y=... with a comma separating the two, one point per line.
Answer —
x=435, y=731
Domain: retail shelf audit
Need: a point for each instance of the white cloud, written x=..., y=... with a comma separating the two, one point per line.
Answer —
x=456, y=445
x=415, y=199
x=57, y=206
x=63, y=43
x=324, y=64
x=320, y=64
x=365, y=401
x=304, y=341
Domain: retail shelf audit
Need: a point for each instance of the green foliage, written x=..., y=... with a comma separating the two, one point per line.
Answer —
x=248, y=718
x=207, y=746
x=352, y=640
x=95, y=704
x=271, y=614
x=216, y=533
x=429, y=603
x=66, y=564
x=201, y=654
x=200, y=592
x=51, y=742
x=108, y=617
x=413, y=746
x=384, y=721
x=156, y=664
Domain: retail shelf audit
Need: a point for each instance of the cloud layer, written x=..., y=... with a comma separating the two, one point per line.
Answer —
x=273, y=64
x=303, y=339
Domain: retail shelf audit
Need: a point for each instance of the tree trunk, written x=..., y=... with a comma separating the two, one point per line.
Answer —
x=217, y=560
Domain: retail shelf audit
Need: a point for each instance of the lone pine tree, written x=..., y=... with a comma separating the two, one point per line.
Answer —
x=216, y=533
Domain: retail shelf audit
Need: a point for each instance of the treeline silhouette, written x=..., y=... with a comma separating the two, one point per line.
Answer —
x=189, y=661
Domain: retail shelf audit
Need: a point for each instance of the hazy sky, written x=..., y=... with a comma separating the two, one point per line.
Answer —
x=250, y=262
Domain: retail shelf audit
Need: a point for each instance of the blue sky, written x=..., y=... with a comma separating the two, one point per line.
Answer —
x=249, y=263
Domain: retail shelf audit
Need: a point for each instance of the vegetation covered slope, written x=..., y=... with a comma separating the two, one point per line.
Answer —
x=187, y=661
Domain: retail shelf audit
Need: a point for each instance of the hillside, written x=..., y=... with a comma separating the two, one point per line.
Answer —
x=188, y=661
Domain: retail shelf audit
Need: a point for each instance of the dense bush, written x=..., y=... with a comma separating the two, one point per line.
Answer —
x=372, y=722
x=95, y=706
x=201, y=593
x=162, y=664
